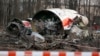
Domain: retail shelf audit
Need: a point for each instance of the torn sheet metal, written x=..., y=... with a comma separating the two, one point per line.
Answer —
x=22, y=30
x=66, y=16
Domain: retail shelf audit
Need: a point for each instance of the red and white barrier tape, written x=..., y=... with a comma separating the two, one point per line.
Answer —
x=47, y=53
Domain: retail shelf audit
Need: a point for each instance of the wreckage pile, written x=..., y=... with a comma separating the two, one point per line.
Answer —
x=50, y=30
x=11, y=40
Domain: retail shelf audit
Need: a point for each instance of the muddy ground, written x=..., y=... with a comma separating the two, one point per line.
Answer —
x=72, y=43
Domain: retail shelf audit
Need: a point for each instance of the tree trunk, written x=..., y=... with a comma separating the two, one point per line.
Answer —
x=73, y=4
x=1, y=11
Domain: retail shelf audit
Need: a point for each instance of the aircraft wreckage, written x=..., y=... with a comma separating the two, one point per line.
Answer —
x=47, y=26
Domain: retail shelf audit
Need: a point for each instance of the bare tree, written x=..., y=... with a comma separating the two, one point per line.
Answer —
x=57, y=3
x=29, y=8
x=1, y=11
x=38, y=6
x=73, y=4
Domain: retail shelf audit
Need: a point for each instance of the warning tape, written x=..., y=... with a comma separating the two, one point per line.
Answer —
x=47, y=53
